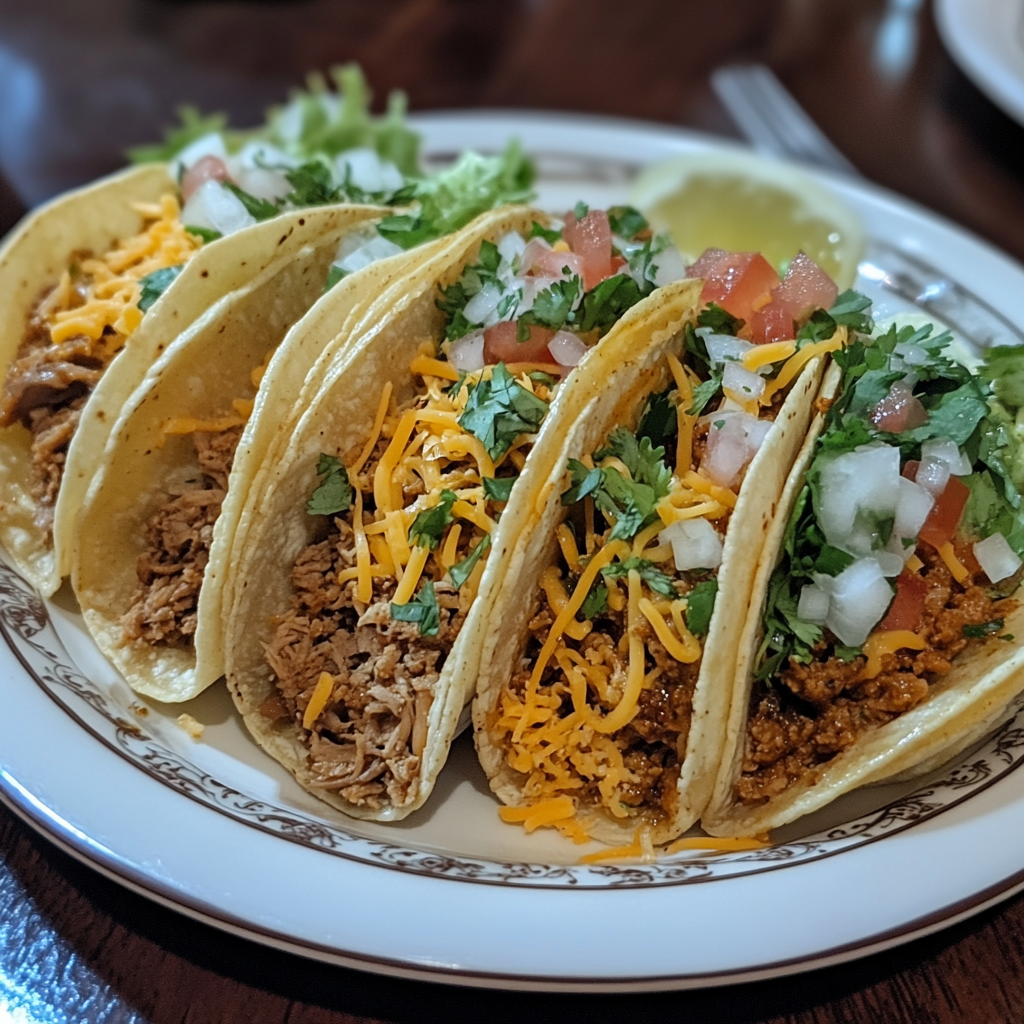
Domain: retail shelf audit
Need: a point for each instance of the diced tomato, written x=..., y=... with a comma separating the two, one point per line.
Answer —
x=944, y=518
x=910, y=468
x=805, y=288
x=591, y=239
x=619, y=263
x=899, y=411
x=706, y=262
x=552, y=263
x=772, y=322
x=908, y=605
x=207, y=168
x=501, y=344
x=737, y=281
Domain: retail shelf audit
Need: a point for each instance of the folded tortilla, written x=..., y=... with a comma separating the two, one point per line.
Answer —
x=36, y=528
x=611, y=391
x=961, y=707
x=172, y=481
x=394, y=690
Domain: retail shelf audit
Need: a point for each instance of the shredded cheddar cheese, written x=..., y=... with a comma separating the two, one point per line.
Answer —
x=107, y=297
x=317, y=703
x=879, y=644
x=956, y=568
x=799, y=360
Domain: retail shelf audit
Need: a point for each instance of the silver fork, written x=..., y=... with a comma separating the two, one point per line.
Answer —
x=775, y=124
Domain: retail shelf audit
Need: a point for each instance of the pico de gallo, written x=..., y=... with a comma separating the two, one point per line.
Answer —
x=902, y=550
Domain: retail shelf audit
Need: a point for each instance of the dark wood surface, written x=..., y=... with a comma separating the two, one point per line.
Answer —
x=80, y=82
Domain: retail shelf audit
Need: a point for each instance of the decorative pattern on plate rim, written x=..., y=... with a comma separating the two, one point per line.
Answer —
x=28, y=631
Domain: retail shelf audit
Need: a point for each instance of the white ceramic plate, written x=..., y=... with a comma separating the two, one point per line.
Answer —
x=986, y=38
x=220, y=832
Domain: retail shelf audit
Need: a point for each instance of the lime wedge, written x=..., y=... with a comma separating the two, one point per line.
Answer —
x=745, y=203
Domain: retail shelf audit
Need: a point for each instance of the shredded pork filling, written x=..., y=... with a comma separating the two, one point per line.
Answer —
x=367, y=743
x=164, y=610
x=45, y=389
x=816, y=711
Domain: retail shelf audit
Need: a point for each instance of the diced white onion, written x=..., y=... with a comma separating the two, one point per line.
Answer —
x=912, y=355
x=813, y=604
x=732, y=445
x=217, y=208
x=566, y=348
x=511, y=246
x=467, y=353
x=864, y=480
x=933, y=476
x=942, y=449
x=353, y=240
x=912, y=507
x=211, y=144
x=724, y=346
x=483, y=303
x=532, y=287
x=996, y=558
x=263, y=183
x=889, y=562
x=859, y=597
x=377, y=248
x=261, y=154
x=366, y=170
x=746, y=384
x=696, y=544
x=670, y=266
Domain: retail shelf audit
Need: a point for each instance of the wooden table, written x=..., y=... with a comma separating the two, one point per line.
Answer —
x=79, y=82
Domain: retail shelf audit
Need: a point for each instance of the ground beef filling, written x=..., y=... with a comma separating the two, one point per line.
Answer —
x=367, y=743
x=653, y=744
x=45, y=389
x=178, y=538
x=814, y=712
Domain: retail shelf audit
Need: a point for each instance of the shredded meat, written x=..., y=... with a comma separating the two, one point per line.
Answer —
x=45, y=389
x=367, y=742
x=815, y=711
x=653, y=744
x=178, y=538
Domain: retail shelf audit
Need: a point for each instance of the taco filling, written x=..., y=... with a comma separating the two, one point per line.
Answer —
x=596, y=717
x=379, y=601
x=77, y=328
x=901, y=553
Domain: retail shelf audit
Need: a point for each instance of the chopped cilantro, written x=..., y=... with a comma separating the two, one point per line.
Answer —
x=552, y=306
x=261, y=209
x=700, y=604
x=583, y=481
x=719, y=320
x=155, y=284
x=539, y=377
x=461, y=571
x=659, y=582
x=334, y=275
x=626, y=222
x=580, y=210
x=499, y=488
x=313, y=185
x=550, y=235
x=595, y=604
x=983, y=629
x=422, y=610
x=334, y=493
x=500, y=410
x=473, y=278
x=604, y=305
x=847, y=654
x=405, y=229
x=206, y=235
x=429, y=526
x=704, y=392
x=658, y=422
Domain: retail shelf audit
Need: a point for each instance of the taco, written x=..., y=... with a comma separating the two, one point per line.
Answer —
x=164, y=499
x=602, y=697
x=352, y=633
x=881, y=639
x=97, y=284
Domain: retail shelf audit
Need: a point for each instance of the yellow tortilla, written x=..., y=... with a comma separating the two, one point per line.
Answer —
x=960, y=708
x=610, y=390
x=199, y=375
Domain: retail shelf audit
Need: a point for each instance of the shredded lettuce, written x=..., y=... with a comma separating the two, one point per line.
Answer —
x=194, y=125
